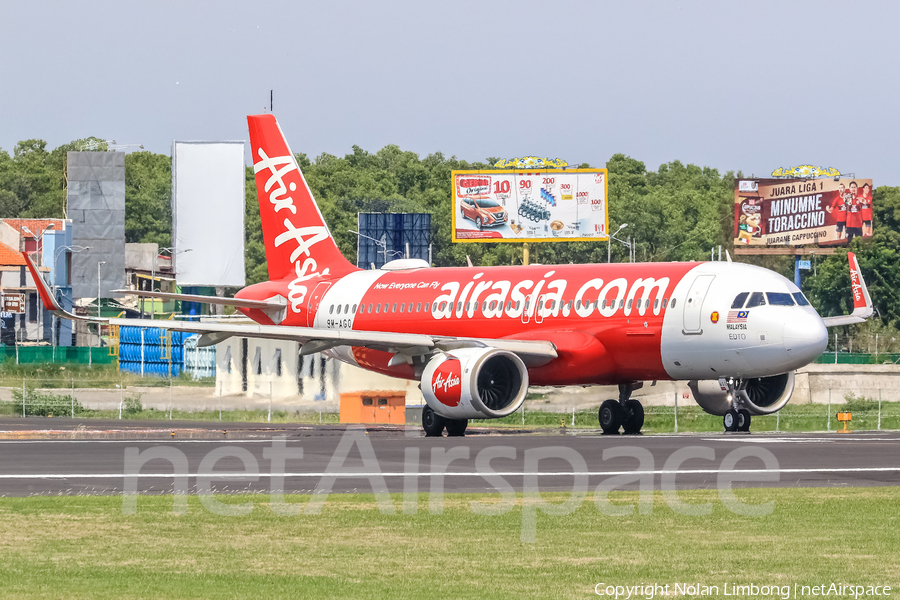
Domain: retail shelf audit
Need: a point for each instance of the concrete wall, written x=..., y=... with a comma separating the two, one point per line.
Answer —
x=10, y=236
x=307, y=379
x=141, y=257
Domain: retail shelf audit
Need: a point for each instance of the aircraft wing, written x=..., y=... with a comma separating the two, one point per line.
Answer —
x=862, y=302
x=312, y=339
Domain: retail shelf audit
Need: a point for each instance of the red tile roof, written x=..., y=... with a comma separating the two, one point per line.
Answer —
x=35, y=225
x=9, y=257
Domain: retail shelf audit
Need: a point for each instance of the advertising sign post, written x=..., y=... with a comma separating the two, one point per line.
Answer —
x=799, y=212
x=530, y=206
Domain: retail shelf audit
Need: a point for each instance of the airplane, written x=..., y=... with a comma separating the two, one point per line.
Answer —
x=476, y=338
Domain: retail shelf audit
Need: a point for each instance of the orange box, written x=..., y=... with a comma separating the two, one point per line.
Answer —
x=374, y=407
x=845, y=416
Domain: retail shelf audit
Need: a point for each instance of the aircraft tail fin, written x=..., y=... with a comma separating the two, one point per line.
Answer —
x=297, y=240
x=862, y=302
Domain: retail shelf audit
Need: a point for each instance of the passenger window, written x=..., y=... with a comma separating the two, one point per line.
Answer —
x=418, y=307
x=443, y=305
x=394, y=308
x=673, y=303
x=382, y=401
x=377, y=308
x=459, y=306
x=386, y=306
x=665, y=301
x=578, y=304
x=518, y=303
x=331, y=309
x=780, y=299
x=621, y=303
x=367, y=401
x=801, y=299
x=409, y=308
x=402, y=306
x=370, y=309
x=427, y=304
x=756, y=299
x=629, y=304
x=656, y=304
x=739, y=300
x=493, y=304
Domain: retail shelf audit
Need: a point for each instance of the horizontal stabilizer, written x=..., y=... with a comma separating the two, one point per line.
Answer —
x=239, y=302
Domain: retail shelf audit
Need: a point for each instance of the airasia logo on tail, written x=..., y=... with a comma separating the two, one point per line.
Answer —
x=304, y=238
x=445, y=383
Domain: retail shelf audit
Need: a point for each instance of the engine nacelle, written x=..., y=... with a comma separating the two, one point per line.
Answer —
x=760, y=396
x=475, y=383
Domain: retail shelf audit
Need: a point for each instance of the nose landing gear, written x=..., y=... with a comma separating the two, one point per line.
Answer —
x=625, y=412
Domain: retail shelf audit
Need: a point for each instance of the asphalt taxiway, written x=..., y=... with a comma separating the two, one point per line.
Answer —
x=70, y=457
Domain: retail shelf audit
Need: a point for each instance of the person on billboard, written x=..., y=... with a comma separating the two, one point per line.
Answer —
x=839, y=206
x=865, y=200
x=854, y=213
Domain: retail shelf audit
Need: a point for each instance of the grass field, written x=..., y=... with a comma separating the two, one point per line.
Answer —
x=658, y=419
x=84, y=547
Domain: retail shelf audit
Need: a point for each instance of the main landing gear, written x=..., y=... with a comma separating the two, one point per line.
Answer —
x=736, y=419
x=625, y=412
x=434, y=424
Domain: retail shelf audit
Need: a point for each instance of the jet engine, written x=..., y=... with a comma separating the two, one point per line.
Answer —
x=475, y=383
x=760, y=395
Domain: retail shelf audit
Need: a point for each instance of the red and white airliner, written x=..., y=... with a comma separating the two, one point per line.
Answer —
x=477, y=337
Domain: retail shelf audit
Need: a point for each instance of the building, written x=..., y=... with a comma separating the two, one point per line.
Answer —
x=48, y=242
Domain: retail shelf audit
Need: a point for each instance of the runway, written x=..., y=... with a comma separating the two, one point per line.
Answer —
x=145, y=458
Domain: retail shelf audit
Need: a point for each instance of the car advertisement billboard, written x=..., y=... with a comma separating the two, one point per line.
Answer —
x=536, y=206
x=799, y=212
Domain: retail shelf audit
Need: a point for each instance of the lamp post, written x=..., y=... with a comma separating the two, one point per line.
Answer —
x=612, y=237
x=37, y=238
x=55, y=277
x=172, y=254
x=382, y=242
x=102, y=262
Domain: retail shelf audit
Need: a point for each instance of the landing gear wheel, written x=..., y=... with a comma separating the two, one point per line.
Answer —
x=432, y=423
x=478, y=222
x=731, y=420
x=743, y=420
x=634, y=417
x=610, y=416
x=456, y=427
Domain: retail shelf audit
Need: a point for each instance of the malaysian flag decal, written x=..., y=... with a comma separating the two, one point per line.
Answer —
x=738, y=316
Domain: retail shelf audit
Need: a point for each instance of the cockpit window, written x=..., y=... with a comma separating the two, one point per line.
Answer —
x=739, y=300
x=800, y=298
x=780, y=299
x=756, y=299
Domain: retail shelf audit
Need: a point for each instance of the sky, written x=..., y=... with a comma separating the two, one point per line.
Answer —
x=737, y=86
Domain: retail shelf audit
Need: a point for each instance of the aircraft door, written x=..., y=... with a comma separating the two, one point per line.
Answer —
x=314, y=299
x=538, y=316
x=525, y=316
x=694, y=303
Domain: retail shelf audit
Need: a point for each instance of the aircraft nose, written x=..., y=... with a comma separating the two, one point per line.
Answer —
x=805, y=335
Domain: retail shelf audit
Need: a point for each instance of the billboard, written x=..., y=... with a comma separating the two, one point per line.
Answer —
x=516, y=206
x=208, y=213
x=799, y=212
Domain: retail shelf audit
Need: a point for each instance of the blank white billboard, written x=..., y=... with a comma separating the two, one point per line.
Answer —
x=208, y=213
